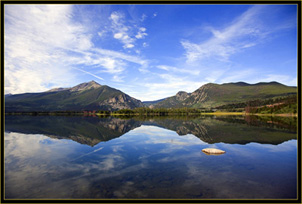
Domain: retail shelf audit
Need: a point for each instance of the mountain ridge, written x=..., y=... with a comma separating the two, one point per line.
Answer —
x=79, y=87
x=211, y=95
x=85, y=96
x=93, y=96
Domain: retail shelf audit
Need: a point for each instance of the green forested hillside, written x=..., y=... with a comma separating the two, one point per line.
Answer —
x=213, y=95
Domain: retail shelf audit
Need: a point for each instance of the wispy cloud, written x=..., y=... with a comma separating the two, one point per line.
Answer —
x=169, y=85
x=89, y=73
x=178, y=70
x=35, y=39
x=120, y=55
x=49, y=46
x=118, y=78
x=234, y=76
x=214, y=56
x=111, y=161
x=143, y=18
x=43, y=45
x=244, y=32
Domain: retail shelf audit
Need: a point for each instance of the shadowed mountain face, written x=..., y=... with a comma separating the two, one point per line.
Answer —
x=173, y=101
x=213, y=95
x=85, y=96
x=92, y=130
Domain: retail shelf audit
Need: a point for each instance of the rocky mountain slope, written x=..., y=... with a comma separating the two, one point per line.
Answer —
x=85, y=96
x=93, y=96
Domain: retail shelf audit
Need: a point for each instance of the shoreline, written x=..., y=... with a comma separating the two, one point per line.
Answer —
x=152, y=114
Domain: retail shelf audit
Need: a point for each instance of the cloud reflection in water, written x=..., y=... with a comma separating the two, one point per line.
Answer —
x=149, y=162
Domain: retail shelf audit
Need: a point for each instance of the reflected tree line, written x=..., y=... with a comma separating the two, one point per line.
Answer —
x=210, y=129
x=285, y=123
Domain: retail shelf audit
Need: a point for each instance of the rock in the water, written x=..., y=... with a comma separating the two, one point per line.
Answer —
x=213, y=151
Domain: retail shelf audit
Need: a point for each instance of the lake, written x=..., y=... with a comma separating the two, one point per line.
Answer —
x=66, y=157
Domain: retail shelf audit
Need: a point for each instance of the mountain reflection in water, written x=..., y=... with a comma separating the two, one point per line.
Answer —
x=93, y=130
x=57, y=157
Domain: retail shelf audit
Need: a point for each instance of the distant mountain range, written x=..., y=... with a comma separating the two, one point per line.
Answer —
x=93, y=96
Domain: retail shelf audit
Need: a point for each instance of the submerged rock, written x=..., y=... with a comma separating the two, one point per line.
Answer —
x=212, y=151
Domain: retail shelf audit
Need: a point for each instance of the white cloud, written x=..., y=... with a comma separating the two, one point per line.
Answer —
x=230, y=40
x=124, y=31
x=36, y=39
x=128, y=46
x=215, y=74
x=116, y=16
x=112, y=66
x=235, y=76
x=169, y=85
x=122, y=60
x=157, y=86
x=120, y=55
x=178, y=70
x=118, y=35
x=89, y=73
x=213, y=57
x=163, y=67
x=109, y=61
x=157, y=135
x=103, y=63
x=141, y=33
x=19, y=148
x=43, y=47
x=111, y=161
x=120, y=30
x=118, y=78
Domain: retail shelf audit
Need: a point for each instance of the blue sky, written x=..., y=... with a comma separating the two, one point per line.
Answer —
x=148, y=51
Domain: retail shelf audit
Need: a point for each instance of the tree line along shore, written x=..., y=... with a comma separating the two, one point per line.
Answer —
x=284, y=106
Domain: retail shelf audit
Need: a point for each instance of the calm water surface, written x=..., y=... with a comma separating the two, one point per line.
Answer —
x=88, y=158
